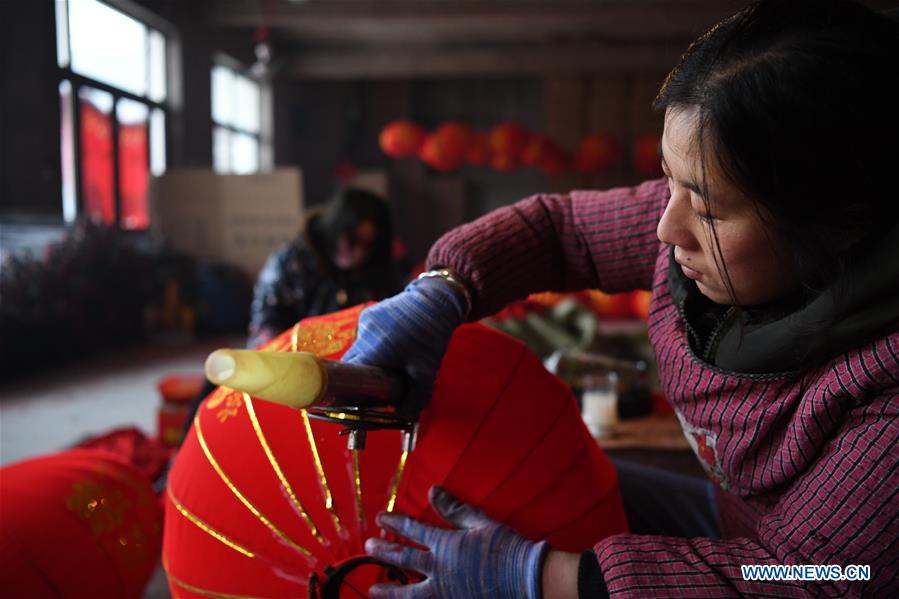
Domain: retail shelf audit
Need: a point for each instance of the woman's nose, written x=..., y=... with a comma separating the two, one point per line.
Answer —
x=674, y=226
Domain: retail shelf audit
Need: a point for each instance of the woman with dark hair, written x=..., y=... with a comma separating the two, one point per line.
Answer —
x=772, y=251
x=342, y=257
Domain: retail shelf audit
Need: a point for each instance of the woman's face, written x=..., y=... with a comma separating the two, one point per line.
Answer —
x=758, y=260
x=352, y=254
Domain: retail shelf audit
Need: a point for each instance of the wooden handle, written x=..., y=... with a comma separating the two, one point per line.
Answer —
x=299, y=379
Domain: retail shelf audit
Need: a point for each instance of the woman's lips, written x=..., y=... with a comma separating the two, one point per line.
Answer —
x=690, y=273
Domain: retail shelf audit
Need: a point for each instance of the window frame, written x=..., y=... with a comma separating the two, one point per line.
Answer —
x=167, y=105
x=264, y=137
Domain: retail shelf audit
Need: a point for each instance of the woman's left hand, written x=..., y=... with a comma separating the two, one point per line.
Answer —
x=480, y=558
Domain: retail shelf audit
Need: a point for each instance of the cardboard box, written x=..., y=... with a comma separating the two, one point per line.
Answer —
x=237, y=219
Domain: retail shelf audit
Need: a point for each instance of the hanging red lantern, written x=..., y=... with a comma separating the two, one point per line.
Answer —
x=431, y=154
x=401, y=139
x=555, y=162
x=596, y=153
x=507, y=142
x=477, y=153
x=504, y=162
x=446, y=149
x=647, y=155
x=536, y=150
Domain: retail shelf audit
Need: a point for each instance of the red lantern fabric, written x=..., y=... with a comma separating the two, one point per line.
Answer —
x=478, y=153
x=81, y=523
x=401, y=139
x=555, y=162
x=595, y=153
x=536, y=150
x=431, y=153
x=647, y=155
x=506, y=142
x=262, y=497
x=447, y=147
x=546, y=155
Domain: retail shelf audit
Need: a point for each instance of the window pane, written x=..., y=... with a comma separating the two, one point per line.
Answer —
x=62, y=33
x=95, y=108
x=221, y=150
x=157, y=142
x=244, y=154
x=134, y=173
x=108, y=45
x=247, y=100
x=222, y=95
x=67, y=151
x=157, y=66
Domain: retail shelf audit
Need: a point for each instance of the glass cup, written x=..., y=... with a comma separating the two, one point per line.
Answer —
x=600, y=403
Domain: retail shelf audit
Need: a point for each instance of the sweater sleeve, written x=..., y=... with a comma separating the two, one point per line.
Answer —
x=842, y=512
x=588, y=239
x=275, y=305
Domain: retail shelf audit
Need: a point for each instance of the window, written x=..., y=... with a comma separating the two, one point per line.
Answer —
x=113, y=111
x=238, y=143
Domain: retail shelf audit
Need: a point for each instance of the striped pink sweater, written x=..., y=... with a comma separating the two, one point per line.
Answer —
x=808, y=461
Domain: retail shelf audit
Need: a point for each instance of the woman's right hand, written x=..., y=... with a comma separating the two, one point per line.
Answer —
x=409, y=333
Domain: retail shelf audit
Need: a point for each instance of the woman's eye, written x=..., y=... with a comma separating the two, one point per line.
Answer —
x=704, y=218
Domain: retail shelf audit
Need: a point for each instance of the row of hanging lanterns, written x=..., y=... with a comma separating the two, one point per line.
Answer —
x=509, y=146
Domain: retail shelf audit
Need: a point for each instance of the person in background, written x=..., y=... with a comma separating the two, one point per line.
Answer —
x=772, y=251
x=341, y=258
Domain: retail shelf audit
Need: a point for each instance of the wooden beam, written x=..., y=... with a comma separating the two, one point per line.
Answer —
x=520, y=60
x=466, y=21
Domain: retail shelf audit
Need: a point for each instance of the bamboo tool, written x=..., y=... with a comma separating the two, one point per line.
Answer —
x=359, y=397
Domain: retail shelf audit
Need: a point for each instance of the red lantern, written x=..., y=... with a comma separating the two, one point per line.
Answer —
x=640, y=304
x=504, y=162
x=647, y=157
x=536, y=150
x=507, y=142
x=79, y=523
x=555, y=162
x=546, y=155
x=446, y=148
x=401, y=139
x=478, y=153
x=263, y=500
x=597, y=152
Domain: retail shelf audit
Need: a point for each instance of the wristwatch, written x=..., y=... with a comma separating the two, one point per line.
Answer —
x=454, y=280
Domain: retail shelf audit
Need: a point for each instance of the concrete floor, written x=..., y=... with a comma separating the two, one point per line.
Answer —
x=55, y=409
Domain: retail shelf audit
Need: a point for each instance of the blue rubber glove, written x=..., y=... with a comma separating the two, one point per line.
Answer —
x=482, y=558
x=409, y=333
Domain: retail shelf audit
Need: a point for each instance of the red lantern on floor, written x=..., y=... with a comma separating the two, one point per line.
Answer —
x=79, y=523
x=596, y=153
x=401, y=139
x=265, y=500
x=647, y=155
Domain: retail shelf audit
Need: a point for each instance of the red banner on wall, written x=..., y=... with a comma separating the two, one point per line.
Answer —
x=134, y=175
x=96, y=163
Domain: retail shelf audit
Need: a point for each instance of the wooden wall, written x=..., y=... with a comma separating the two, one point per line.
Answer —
x=320, y=124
